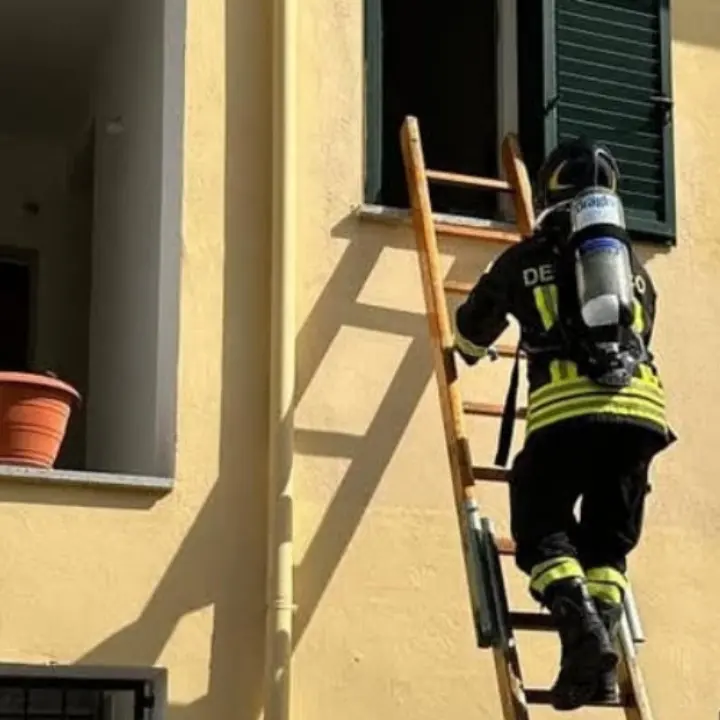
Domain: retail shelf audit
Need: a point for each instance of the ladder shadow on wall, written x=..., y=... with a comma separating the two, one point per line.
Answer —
x=368, y=455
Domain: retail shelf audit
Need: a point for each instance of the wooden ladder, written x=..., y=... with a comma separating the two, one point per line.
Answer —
x=494, y=622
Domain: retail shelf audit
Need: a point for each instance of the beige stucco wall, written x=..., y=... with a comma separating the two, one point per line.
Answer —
x=383, y=625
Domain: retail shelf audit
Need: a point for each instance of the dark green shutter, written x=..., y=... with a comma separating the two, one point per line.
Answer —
x=607, y=76
x=373, y=99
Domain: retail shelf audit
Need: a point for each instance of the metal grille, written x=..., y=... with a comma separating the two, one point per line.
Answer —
x=72, y=699
x=22, y=703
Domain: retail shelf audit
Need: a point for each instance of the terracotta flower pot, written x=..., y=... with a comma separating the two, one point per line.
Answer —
x=34, y=413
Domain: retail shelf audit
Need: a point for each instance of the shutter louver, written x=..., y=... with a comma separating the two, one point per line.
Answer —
x=373, y=118
x=608, y=80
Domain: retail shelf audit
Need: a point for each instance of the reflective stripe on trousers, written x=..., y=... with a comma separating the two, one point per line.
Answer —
x=606, y=584
x=550, y=571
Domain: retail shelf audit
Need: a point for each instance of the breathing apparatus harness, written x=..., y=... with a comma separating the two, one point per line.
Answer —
x=595, y=284
x=595, y=306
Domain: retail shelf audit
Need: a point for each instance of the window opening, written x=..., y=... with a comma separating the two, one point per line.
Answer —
x=441, y=67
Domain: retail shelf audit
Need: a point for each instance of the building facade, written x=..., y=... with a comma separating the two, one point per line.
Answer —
x=276, y=331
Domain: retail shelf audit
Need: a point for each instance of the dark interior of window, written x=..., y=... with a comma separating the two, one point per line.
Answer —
x=531, y=111
x=16, y=309
x=441, y=66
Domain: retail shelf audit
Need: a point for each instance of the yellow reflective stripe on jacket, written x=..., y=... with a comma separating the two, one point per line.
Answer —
x=559, y=401
x=606, y=583
x=617, y=404
x=569, y=395
x=552, y=570
x=638, y=324
x=625, y=407
x=563, y=370
x=468, y=347
x=647, y=374
x=584, y=385
x=546, y=302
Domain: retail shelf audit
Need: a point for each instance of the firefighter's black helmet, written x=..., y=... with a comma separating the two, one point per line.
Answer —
x=573, y=166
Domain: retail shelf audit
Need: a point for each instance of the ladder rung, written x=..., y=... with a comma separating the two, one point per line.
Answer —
x=491, y=410
x=507, y=351
x=532, y=621
x=542, y=697
x=474, y=232
x=489, y=474
x=505, y=546
x=456, y=287
x=450, y=178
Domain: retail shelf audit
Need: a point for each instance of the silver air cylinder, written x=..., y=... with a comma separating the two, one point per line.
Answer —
x=602, y=263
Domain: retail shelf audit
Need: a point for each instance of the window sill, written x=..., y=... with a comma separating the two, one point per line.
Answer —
x=446, y=225
x=399, y=217
x=402, y=216
x=88, y=479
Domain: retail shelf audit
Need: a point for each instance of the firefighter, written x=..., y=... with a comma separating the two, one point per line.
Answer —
x=596, y=407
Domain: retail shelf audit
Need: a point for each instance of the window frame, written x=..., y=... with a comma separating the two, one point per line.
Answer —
x=506, y=111
x=510, y=118
x=160, y=479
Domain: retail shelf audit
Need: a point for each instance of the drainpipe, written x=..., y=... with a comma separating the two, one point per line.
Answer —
x=279, y=611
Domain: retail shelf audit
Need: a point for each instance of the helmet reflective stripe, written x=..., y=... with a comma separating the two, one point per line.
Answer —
x=573, y=166
x=553, y=184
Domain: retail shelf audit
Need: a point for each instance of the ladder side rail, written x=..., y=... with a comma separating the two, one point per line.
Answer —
x=633, y=616
x=440, y=334
x=630, y=679
x=507, y=661
x=519, y=179
x=507, y=666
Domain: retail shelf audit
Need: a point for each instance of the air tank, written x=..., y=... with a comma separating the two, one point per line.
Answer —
x=602, y=261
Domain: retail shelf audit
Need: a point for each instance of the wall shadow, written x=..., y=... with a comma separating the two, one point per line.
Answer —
x=221, y=560
x=369, y=455
x=696, y=22
x=28, y=492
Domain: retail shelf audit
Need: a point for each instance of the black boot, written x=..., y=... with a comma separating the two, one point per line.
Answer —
x=611, y=615
x=587, y=652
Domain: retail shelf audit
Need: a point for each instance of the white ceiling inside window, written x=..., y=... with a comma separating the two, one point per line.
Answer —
x=47, y=54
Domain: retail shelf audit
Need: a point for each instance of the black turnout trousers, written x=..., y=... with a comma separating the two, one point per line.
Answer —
x=607, y=465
